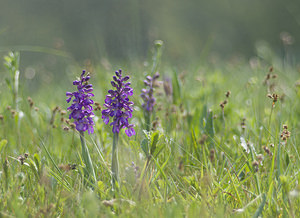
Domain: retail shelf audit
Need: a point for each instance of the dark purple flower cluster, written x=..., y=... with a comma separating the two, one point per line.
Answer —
x=81, y=109
x=118, y=105
x=147, y=94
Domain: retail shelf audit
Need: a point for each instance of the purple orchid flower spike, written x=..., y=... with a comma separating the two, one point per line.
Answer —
x=148, y=97
x=147, y=94
x=82, y=113
x=118, y=106
x=81, y=109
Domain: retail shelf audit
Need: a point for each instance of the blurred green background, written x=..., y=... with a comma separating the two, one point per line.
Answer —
x=125, y=29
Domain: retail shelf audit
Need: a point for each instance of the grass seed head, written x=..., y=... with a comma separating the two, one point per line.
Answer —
x=21, y=158
x=228, y=94
x=63, y=112
x=243, y=124
x=72, y=125
x=255, y=165
x=271, y=69
x=13, y=112
x=203, y=139
x=267, y=150
x=30, y=101
x=259, y=158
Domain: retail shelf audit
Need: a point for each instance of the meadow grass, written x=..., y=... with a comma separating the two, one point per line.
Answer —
x=209, y=152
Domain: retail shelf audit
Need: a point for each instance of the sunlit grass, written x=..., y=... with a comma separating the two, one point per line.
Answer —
x=201, y=157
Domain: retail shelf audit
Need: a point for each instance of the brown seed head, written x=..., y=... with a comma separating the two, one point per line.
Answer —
x=13, y=112
x=275, y=97
x=55, y=109
x=255, y=163
x=30, y=101
x=63, y=112
x=259, y=157
x=203, y=139
x=266, y=149
x=21, y=158
x=227, y=94
x=72, y=125
x=222, y=105
x=271, y=69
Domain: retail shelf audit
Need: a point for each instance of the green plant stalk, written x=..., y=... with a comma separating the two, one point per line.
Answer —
x=5, y=169
x=115, y=161
x=156, y=57
x=87, y=158
x=147, y=116
x=143, y=175
x=278, y=160
x=269, y=124
x=224, y=125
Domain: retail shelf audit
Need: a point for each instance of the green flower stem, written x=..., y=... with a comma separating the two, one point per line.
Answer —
x=87, y=158
x=115, y=161
x=147, y=120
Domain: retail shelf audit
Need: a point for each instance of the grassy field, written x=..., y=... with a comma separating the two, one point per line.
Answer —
x=222, y=141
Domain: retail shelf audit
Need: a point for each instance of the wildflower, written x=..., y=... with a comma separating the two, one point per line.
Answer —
x=81, y=109
x=148, y=98
x=147, y=94
x=82, y=113
x=119, y=108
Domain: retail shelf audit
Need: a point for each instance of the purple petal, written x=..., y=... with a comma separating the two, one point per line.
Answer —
x=113, y=84
x=69, y=99
x=130, y=132
x=105, y=119
x=83, y=72
x=125, y=78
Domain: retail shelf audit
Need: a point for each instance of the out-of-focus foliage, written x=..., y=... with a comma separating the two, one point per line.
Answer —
x=120, y=29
